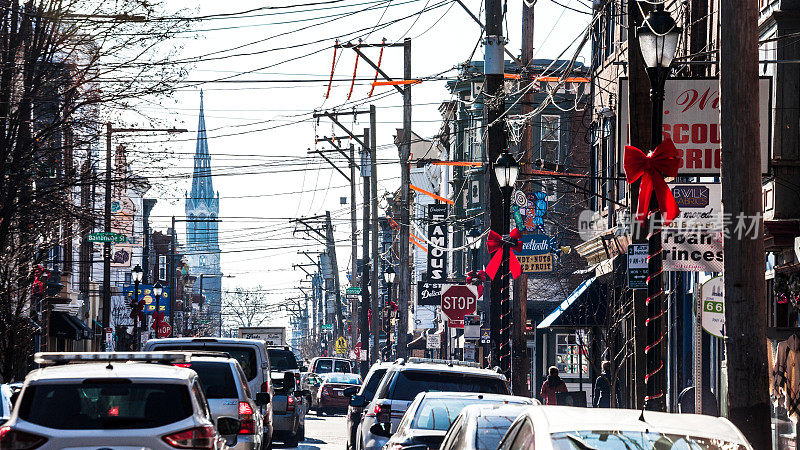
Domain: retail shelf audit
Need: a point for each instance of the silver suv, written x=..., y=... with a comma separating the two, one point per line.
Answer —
x=225, y=386
x=404, y=380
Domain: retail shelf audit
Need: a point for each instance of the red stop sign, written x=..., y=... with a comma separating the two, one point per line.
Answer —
x=458, y=301
x=164, y=330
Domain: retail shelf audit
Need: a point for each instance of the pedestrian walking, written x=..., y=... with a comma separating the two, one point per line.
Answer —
x=553, y=385
x=602, y=397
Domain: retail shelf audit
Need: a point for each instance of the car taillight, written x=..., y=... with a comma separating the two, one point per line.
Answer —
x=200, y=437
x=245, y=408
x=265, y=386
x=247, y=426
x=383, y=413
x=11, y=439
x=290, y=403
x=184, y=365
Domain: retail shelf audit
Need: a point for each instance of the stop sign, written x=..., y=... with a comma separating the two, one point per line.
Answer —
x=164, y=330
x=458, y=300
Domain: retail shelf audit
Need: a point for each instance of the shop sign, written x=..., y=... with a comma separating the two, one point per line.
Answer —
x=529, y=209
x=437, y=235
x=146, y=294
x=536, y=263
x=693, y=241
x=691, y=119
x=429, y=294
x=637, y=266
x=535, y=244
x=713, y=300
x=424, y=317
x=469, y=351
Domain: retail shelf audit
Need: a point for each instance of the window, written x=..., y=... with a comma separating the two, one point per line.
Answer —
x=342, y=366
x=371, y=385
x=281, y=360
x=105, y=405
x=127, y=278
x=524, y=438
x=216, y=379
x=550, y=144
x=201, y=398
x=323, y=366
x=244, y=355
x=550, y=128
x=409, y=383
x=568, y=358
x=162, y=267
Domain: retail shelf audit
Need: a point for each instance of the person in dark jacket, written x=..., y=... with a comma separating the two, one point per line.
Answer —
x=602, y=388
x=552, y=386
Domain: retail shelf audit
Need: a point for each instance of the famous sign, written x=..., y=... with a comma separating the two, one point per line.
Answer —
x=459, y=300
x=437, y=235
x=691, y=119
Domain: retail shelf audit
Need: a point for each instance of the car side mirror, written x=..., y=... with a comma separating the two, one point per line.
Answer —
x=381, y=429
x=262, y=398
x=228, y=425
x=351, y=391
x=358, y=401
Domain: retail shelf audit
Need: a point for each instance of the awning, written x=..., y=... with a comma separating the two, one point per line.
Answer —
x=67, y=326
x=584, y=307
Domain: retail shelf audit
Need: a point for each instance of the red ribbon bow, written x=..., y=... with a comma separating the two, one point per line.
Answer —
x=158, y=317
x=495, y=242
x=652, y=169
x=477, y=279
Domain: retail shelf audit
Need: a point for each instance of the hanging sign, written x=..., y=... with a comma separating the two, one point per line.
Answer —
x=691, y=119
x=713, y=300
x=437, y=235
x=146, y=295
x=536, y=263
x=536, y=255
x=637, y=266
x=429, y=294
x=693, y=241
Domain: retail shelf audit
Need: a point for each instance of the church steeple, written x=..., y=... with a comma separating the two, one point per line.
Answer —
x=202, y=186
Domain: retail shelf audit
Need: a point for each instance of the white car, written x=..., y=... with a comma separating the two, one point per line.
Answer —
x=568, y=428
x=107, y=401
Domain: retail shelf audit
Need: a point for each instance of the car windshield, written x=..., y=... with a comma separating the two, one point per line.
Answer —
x=216, y=378
x=341, y=366
x=105, y=405
x=323, y=366
x=371, y=386
x=245, y=355
x=341, y=378
x=281, y=360
x=490, y=430
x=624, y=440
x=410, y=383
x=439, y=413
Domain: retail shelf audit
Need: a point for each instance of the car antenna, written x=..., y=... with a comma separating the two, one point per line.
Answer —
x=109, y=366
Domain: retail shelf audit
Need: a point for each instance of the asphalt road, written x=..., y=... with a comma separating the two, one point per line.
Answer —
x=323, y=433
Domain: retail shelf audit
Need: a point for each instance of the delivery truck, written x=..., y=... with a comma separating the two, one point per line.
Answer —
x=273, y=336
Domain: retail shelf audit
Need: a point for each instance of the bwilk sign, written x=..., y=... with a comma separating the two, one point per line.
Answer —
x=437, y=235
x=691, y=119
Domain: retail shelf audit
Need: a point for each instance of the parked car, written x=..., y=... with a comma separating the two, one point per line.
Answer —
x=252, y=357
x=430, y=415
x=325, y=364
x=288, y=413
x=330, y=395
x=362, y=395
x=566, y=427
x=309, y=382
x=481, y=426
x=404, y=380
x=6, y=405
x=225, y=386
x=105, y=402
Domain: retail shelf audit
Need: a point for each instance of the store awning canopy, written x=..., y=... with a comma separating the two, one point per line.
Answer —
x=583, y=308
x=66, y=326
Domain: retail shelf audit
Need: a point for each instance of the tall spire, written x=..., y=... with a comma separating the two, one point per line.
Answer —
x=202, y=186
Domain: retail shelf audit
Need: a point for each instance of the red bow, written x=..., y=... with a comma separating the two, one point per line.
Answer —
x=158, y=317
x=652, y=169
x=495, y=242
x=477, y=279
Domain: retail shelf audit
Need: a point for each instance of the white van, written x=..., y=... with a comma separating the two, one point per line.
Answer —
x=250, y=353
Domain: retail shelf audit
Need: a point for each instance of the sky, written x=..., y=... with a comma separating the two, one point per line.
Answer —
x=272, y=68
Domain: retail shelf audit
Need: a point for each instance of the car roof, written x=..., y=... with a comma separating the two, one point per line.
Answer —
x=119, y=370
x=439, y=367
x=565, y=418
x=207, y=340
x=330, y=357
x=477, y=395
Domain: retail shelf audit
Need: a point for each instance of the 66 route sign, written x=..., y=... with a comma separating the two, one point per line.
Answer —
x=458, y=300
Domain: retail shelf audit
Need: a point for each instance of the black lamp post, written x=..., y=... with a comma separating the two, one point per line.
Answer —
x=658, y=38
x=136, y=274
x=157, y=291
x=474, y=239
x=388, y=277
x=506, y=170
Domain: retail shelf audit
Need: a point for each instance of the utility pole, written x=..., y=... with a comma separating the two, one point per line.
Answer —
x=404, y=284
x=337, y=329
x=521, y=363
x=353, y=247
x=640, y=112
x=366, y=330
x=173, y=283
x=373, y=187
x=745, y=296
x=494, y=67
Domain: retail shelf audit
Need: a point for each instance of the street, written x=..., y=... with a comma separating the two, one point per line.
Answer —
x=323, y=433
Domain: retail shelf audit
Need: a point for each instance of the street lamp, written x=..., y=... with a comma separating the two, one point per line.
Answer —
x=474, y=243
x=136, y=274
x=506, y=170
x=388, y=277
x=157, y=291
x=658, y=38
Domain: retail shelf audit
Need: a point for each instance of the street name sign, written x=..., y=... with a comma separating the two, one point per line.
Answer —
x=102, y=236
